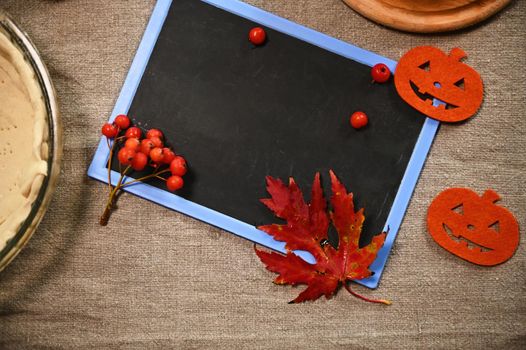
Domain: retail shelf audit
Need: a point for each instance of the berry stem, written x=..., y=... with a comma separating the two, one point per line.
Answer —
x=107, y=212
x=379, y=301
x=156, y=174
x=111, y=147
x=120, y=185
x=112, y=198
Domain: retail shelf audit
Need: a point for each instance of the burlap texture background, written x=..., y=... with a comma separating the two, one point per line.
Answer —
x=157, y=279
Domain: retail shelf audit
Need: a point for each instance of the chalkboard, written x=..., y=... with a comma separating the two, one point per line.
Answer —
x=239, y=113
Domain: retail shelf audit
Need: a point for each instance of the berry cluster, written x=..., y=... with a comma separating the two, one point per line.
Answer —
x=137, y=150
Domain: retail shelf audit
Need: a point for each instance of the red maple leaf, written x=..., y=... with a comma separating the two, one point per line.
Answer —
x=307, y=229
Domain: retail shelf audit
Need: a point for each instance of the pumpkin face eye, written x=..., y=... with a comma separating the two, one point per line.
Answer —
x=460, y=84
x=425, y=66
x=495, y=226
x=459, y=209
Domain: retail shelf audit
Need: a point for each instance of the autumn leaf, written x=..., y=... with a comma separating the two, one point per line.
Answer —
x=306, y=228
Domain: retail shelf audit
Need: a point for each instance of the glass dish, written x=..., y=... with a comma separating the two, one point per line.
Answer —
x=54, y=140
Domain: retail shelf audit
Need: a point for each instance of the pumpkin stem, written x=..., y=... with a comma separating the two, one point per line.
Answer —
x=457, y=54
x=491, y=196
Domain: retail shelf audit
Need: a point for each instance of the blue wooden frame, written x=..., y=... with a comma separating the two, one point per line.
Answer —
x=98, y=168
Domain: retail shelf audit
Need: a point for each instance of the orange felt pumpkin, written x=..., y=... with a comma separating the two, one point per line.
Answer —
x=472, y=227
x=426, y=73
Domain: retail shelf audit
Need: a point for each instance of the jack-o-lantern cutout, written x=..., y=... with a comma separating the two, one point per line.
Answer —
x=472, y=227
x=425, y=74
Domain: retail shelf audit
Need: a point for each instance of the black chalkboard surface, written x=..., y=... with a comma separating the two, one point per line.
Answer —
x=238, y=113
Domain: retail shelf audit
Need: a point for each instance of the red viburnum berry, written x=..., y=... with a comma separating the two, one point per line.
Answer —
x=178, y=166
x=154, y=133
x=174, y=183
x=126, y=155
x=147, y=146
x=169, y=155
x=257, y=36
x=122, y=121
x=133, y=132
x=139, y=162
x=109, y=130
x=359, y=120
x=380, y=73
x=157, y=141
x=133, y=144
x=157, y=155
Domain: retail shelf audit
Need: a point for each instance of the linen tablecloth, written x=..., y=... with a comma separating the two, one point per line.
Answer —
x=156, y=279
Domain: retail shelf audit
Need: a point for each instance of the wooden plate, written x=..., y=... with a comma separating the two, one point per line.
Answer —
x=427, y=16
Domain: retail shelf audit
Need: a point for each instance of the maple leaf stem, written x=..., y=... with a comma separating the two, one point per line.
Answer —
x=378, y=301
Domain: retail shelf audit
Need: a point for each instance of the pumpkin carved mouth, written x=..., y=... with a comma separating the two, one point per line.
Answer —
x=428, y=98
x=465, y=242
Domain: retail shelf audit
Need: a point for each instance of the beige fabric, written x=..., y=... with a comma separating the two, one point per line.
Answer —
x=157, y=279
